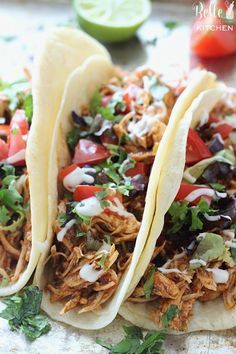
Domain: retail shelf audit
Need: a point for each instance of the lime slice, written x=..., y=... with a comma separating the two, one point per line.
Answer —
x=112, y=20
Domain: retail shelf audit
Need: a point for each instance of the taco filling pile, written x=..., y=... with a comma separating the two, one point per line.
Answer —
x=102, y=193
x=194, y=258
x=15, y=221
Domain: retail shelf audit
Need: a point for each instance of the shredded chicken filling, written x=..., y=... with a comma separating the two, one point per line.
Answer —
x=15, y=246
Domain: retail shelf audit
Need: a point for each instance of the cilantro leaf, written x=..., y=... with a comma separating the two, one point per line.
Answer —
x=95, y=102
x=191, y=216
x=9, y=170
x=23, y=313
x=28, y=107
x=168, y=316
x=102, y=260
x=62, y=218
x=11, y=199
x=149, y=283
x=218, y=187
x=101, y=196
x=4, y=215
x=135, y=343
x=73, y=137
x=171, y=25
x=107, y=114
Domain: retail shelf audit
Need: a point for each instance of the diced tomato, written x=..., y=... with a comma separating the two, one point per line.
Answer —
x=3, y=150
x=66, y=171
x=224, y=130
x=207, y=39
x=106, y=100
x=4, y=130
x=85, y=191
x=127, y=101
x=88, y=152
x=16, y=144
x=213, y=120
x=140, y=168
x=186, y=189
x=19, y=120
x=196, y=150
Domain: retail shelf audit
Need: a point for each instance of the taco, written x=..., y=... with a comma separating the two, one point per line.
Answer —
x=108, y=149
x=24, y=146
x=186, y=277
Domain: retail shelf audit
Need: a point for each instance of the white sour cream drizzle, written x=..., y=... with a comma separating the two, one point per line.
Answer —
x=220, y=276
x=117, y=207
x=212, y=217
x=64, y=230
x=88, y=273
x=89, y=207
x=198, y=193
x=198, y=261
x=148, y=120
x=78, y=176
x=19, y=156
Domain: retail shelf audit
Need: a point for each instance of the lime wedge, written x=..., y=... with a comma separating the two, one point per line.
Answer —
x=112, y=20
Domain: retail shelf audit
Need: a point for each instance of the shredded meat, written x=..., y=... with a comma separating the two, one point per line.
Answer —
x=15, y=246
x=68, y=257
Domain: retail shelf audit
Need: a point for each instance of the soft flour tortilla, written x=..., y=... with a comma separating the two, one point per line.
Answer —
x=61, y=52
x=79, y=90
x=211, y=315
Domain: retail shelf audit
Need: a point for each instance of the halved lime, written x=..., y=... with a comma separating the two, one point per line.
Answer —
x=112, y=20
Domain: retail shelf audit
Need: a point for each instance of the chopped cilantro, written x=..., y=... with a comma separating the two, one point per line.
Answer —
x=102, y=260
x=102, y=197
x=149, y=283
x=4, y=215
x=9, y=170
x=23, y=313
x=73, y=137
x=96, y=108
x=191, y=216
x=28, y=107
x=171, y=25
x=95, y=102
x=136, y=343
x=62, y=218
x=168, y=316
x=218, y=187
x=107, y=239
x=83, y=219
